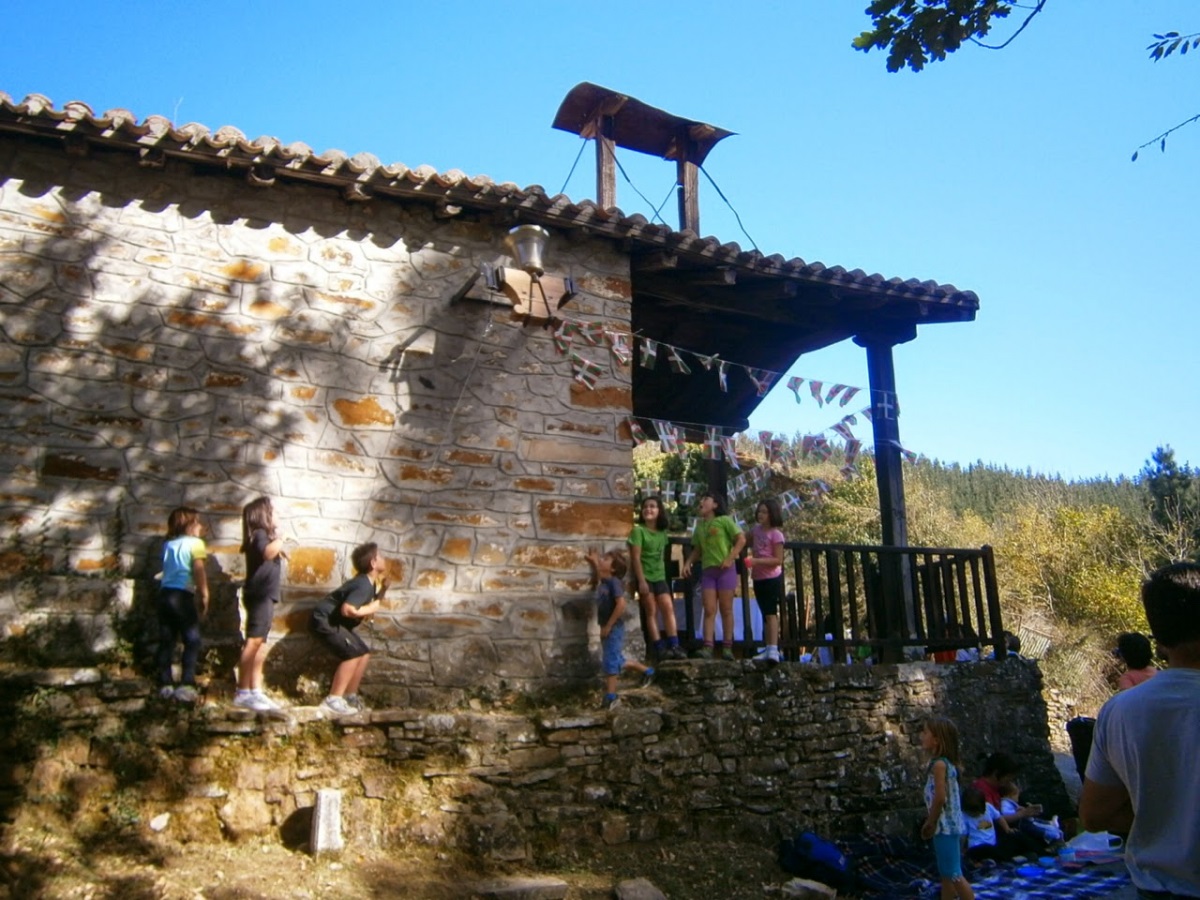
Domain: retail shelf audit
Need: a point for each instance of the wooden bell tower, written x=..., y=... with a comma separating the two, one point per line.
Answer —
x=616, y=120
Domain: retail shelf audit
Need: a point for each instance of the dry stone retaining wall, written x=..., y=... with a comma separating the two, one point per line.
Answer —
x=714, y=749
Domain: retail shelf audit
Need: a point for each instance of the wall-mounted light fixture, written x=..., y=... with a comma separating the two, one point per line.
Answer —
x=535, y=296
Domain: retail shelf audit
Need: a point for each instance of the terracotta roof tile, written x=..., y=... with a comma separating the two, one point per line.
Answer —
x=36, y=114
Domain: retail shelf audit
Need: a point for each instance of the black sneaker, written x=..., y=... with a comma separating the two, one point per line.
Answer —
x=676, y=651
x=647, y=678
x=612, y=702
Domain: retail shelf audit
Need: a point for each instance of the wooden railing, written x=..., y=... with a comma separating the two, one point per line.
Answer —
x=875, y=602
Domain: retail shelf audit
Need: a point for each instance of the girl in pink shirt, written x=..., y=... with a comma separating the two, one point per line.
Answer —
x=765, y=562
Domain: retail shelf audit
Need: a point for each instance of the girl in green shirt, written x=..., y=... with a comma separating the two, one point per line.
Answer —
x=717, y=542
x=647, y=548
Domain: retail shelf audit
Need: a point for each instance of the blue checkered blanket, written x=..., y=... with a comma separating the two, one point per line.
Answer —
x=1004, y=883
x=892, y=868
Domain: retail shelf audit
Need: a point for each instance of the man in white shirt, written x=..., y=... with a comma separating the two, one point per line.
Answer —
x=1143, y=777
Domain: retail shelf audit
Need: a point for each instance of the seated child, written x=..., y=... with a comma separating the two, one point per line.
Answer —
x=335, y=619
x=607, y=572
x=988, y=835
x=1011, y=808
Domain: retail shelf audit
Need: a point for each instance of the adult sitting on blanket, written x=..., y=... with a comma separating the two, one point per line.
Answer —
x=999, y=771
x=1142, y=776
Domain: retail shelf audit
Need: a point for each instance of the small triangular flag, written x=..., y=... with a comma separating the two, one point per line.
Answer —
x=649, y=354
x=794, y=386
x=676, y=362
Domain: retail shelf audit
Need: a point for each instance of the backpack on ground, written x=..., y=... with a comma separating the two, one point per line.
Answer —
x=811, y=856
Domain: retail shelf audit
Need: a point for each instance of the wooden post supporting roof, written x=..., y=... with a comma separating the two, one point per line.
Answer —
x=894, y=569
x=688, y=180
x=606, y=163
x=618, y=120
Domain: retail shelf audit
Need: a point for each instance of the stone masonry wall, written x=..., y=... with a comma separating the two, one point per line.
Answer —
x=174, y=336
x=734, y=750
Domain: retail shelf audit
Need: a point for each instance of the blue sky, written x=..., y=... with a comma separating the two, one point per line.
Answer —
x=1006, y=173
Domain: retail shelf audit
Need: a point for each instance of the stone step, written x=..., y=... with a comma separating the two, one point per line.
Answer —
x=519, y=887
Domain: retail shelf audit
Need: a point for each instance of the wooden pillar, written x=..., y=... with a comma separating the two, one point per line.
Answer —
x=716, y=473
x=688, y=178
x=606, y=163
x=895, y=570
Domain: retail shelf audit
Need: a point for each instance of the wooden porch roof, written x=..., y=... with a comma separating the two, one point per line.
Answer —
x=761, y=319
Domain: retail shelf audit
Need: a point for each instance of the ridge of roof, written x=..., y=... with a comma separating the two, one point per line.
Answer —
x=364, y=175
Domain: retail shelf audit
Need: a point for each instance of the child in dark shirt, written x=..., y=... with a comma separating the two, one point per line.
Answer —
x=607, y=572
x=335, y=619
x=263, y=548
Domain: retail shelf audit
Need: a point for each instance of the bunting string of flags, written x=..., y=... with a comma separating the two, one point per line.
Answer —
x=756, y=479
x=587, y=372
x=595, y=334
x=776, y=449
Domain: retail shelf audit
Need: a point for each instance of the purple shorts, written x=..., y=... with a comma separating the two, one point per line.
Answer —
x=719, y=579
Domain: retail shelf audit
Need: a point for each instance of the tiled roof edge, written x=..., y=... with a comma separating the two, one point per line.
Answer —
x=363, y=175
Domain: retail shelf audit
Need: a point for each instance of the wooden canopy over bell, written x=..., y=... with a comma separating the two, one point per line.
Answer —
x=636, y=125
x=613, y=119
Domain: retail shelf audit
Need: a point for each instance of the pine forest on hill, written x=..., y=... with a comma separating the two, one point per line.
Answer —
x=1070, y=555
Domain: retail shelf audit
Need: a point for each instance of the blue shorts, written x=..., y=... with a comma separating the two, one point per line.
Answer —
x=716, y=578
x=612, y=650
x=947, y=848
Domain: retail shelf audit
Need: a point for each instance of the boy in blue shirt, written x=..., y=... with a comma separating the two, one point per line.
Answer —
x=182, y=602
x=607, y=572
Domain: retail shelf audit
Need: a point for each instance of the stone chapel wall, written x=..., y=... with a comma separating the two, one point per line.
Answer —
x=174, y=336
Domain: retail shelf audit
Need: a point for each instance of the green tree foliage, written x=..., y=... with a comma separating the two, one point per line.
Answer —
x=1068, y=552
x=991, y=491
x=914, y=32
x=1080, y=564
x=649, y=462
x=917, y=31
x=847, y=514
x=1164, y=45
x=1070, y=555
x=1174, y=504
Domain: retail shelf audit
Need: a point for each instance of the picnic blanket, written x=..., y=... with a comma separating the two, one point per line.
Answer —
x=896, y=868
x=1054, y=884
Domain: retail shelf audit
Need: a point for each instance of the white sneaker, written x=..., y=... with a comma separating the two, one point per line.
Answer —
x=252, y=700
x=270, y=704
x=167, y=691
x=767, y=654
x=186, y=694
x=338, y=706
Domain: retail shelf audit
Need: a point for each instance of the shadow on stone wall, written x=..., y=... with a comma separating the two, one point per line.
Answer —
x=729, y=751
